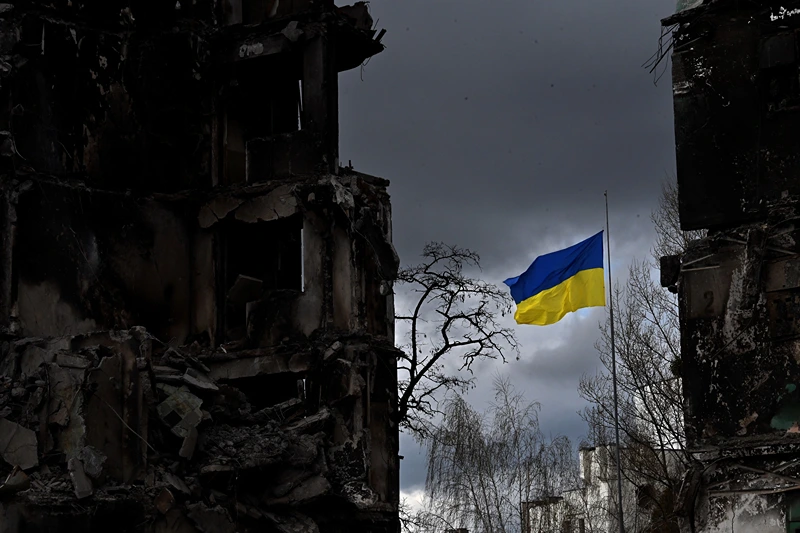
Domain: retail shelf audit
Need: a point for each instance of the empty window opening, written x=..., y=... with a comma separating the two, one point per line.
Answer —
x=254, y=11
x=260, y=258
x=231, y=12
x=372, y=307
x=586, y=458
x=269, y=390
x=257, y=11
x=780, y=73
x=258, y=106
x=235, y=161
x=603, y=455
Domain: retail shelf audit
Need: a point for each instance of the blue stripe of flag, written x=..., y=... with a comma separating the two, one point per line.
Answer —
x=554, y=268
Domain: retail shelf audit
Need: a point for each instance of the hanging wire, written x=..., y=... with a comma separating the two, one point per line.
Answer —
x=666, y=42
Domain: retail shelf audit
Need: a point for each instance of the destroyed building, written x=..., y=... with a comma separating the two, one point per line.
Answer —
x=196, y=307
x=736, y=89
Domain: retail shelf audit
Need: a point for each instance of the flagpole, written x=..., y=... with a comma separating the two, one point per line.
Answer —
x=614, y=370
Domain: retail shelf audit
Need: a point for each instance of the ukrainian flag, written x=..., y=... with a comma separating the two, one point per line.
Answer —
x=559, y=283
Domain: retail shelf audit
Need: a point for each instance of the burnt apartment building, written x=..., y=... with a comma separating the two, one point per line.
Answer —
x=736, y=86
x=196, y=307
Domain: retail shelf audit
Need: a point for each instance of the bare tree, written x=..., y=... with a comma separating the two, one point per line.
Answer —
x=452, y=324
x=670, y=239
x=648, y=376
x=482, y=467
x=424, y=520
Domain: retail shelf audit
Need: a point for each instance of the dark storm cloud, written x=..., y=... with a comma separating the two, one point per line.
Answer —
x=412, y=466
x=531, y=108
x=574, y=355
x=500, y=124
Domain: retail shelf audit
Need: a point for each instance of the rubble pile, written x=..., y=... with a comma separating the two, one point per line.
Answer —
x=168, y=446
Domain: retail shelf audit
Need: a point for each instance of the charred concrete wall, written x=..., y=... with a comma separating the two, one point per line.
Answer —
x=737, y=105
x=195, y=299
x=735, y=120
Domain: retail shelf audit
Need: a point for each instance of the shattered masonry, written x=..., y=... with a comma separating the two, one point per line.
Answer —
x=195, y=298
x=736, y=85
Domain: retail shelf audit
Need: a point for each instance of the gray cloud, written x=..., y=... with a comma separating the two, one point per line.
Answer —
x=500, y=125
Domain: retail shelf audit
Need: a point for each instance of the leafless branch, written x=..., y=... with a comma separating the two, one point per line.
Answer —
x=453, y=323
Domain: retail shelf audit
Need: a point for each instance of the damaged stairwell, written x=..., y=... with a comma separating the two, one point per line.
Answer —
x=196, y=305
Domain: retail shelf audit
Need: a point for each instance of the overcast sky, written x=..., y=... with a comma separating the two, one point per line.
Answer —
x=500, y=124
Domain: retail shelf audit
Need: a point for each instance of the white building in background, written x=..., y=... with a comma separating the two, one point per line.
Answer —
x=661, y=401
x=592, y=507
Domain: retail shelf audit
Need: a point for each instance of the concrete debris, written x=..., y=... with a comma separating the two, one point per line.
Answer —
x=216, y=469
x=165, y=371
x=358, y=13
x=164, y=501
x=360, y=494
x=176, y=483
x=71, y=361
x=18, y=445
x=292, y=32
x=283, y=412
x=293, y=523
x=280, y=203
x=17, y=481
x=93, y=462
x=198, y=380
x=81, y=484
x=188, y=423
x=175, y=521
x=307, y=491
x=181, y=410
x=189, y=443
x=245, y=447
x=268, y=364
x=313, y=423
x=245, y=289
x=333, y=350
x=211, y=520
x=217, y=210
